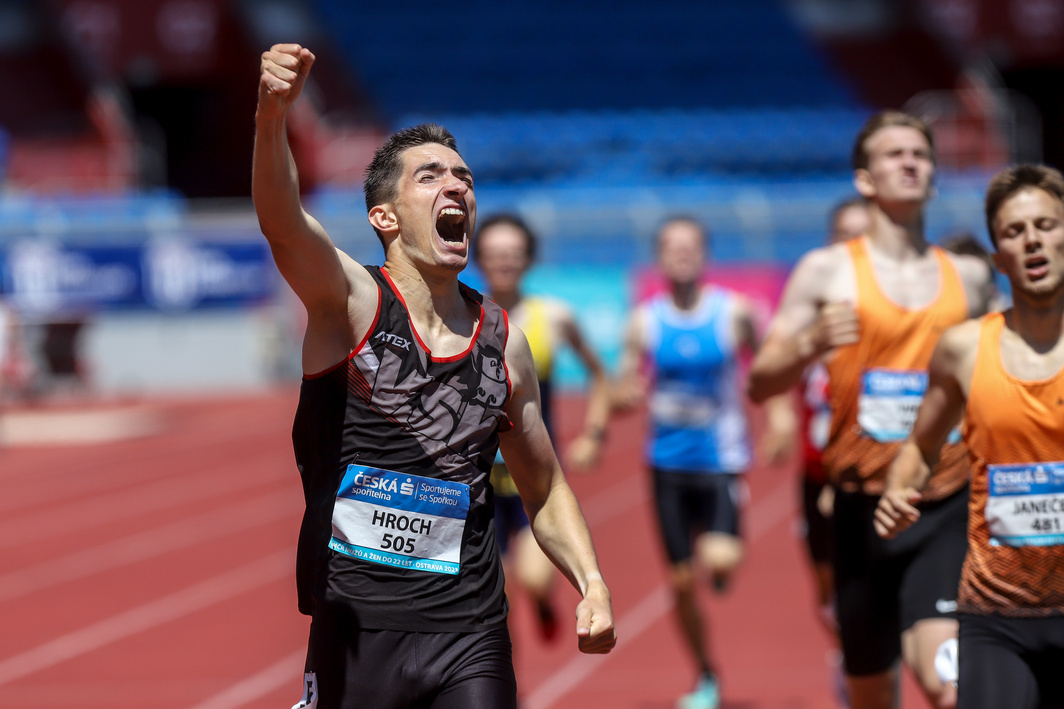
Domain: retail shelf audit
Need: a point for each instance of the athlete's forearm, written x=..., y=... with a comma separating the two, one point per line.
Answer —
x=598, y=407
x=779, y=365
x=275, y=181
x=780, y=415
x=562, y=532
x=911, y=468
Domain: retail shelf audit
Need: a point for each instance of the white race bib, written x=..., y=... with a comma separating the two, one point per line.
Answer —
x=889, y=402
x=407, y=521
x=1025, y=505
x=684, y=409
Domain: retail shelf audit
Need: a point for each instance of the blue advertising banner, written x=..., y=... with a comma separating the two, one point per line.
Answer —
x=40, y=278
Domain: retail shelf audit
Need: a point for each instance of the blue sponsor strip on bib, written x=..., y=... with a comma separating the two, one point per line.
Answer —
x=412, y=493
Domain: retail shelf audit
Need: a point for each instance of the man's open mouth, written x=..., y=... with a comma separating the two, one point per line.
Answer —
x=450, y=225
x=1036, y=266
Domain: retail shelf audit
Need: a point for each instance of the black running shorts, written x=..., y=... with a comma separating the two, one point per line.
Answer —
x=1010, y=662
x=819, y=537
x=348, y=668
x=884, y=586
x=689, y=504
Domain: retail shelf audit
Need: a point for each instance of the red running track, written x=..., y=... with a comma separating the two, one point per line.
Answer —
x=151, y=564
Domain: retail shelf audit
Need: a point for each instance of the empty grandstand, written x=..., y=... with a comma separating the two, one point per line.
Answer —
x=129, y=126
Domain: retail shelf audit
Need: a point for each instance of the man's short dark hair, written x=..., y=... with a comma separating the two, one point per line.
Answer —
x=511, y=220
x=887, y=119
x=1011, y=180
x=382, y=175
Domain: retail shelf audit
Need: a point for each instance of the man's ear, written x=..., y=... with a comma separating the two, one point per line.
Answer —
x=996, y=258
x=862, y=182
x=383, y=218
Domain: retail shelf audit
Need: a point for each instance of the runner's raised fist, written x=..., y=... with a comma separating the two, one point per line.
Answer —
x=283, y=71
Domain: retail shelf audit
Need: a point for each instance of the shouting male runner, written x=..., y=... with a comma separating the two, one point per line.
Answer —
x=411, y=382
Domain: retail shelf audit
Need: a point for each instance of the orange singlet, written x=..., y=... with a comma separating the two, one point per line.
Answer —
x=877, y=383
x=1015, y=433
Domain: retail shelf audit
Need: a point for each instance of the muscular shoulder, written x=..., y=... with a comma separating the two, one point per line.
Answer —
x=518, y=354
x=820, y=271
x=956, y=350
x=963, y=337
x=357, y=274
x=824, y=258
x=336, y=325
x=363, y=293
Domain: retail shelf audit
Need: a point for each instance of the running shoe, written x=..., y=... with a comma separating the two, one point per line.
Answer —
x=705, y=696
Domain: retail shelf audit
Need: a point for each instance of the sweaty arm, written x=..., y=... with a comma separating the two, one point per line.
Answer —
x=948, y=376
x=553, y=512
x=805, y=327
x=326, y=280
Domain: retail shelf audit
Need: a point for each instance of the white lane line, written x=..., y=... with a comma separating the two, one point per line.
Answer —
x=633, y=624
x=91, y=511
x=146, y=544
x=288, y=670
x=764, y=515
x=35, y=428
x=772, y=509
x=617, y=499
x=149, y=615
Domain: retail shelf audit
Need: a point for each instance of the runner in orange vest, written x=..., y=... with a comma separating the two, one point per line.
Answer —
x=1004, y=373
x=873, y=309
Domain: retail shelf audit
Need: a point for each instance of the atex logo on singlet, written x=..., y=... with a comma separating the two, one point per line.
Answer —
x=400, y=342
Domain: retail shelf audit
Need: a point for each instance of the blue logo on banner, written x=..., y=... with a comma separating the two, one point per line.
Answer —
x=42, y=278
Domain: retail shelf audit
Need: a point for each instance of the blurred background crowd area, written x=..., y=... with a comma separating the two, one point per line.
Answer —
x=129, y=252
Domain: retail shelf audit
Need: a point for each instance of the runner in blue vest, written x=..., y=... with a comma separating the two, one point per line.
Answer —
x=689, y=339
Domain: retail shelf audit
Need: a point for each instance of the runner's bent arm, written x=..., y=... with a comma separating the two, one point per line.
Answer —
x=805, y=327
x=939, y=413
x=781, y=434
x=584, y=449
x=630, y=387
x=553, y=512
x=327, y=281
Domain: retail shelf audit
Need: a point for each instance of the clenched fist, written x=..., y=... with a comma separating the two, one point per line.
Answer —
x=282, y=73
x=836, y=325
